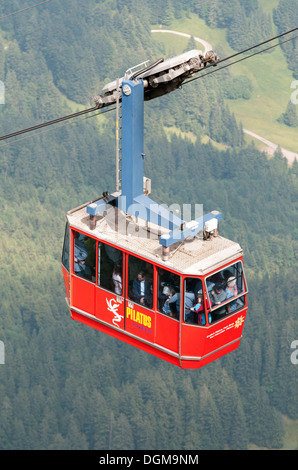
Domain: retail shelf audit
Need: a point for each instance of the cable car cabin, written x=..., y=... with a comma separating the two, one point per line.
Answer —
x=187, y=307
x=137, y=271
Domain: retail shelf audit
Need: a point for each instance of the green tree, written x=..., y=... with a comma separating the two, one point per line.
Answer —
x=290, y=117
x=285, y=17
x=209, y=422
x=122, y=437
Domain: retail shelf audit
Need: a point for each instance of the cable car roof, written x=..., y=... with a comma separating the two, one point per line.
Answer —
x=190, y=256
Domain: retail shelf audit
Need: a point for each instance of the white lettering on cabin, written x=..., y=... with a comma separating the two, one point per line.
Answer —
x=113, y=307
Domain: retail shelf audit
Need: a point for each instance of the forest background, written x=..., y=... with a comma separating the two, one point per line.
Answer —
x=64, y=385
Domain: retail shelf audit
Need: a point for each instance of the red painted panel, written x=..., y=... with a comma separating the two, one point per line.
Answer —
x=109, y=308
x=140, y=321
x=199, y=341
x=192, y=340
x=210, y=358
x=167, y=332
x=83, y=294
x=225, y=331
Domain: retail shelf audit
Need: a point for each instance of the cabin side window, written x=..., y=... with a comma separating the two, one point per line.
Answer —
x=226, y=291
x=109, y=268
x=65, y=252
x=140, y=281
x=194, y=309
x=84, y=262
x=168, y=301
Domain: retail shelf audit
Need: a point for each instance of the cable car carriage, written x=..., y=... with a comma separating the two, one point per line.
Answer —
x=137, y=271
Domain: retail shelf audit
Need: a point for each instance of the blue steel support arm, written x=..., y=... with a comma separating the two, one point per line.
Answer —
x=132, y=201
x=191, y=229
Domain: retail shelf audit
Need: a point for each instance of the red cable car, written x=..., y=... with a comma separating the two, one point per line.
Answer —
x=138, y=272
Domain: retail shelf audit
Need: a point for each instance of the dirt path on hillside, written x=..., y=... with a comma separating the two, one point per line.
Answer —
x=206, y=44
x=269, y=147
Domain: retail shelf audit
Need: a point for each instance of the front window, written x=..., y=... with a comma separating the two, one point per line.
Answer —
x=168, y=293
x=140, y=281
x=226, y=291
x=84, y=256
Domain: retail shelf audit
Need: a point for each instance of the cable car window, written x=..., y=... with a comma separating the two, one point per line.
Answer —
x=226, y=291
x=168, y=293
x=109, y=264
x=140, y=281
x=65, y=252
x=194, y=310
x=84, y=256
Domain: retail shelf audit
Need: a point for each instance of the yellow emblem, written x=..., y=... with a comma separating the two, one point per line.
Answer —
x=239, y=321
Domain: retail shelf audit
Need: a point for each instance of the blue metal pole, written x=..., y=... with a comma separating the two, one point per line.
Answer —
x=132, y=142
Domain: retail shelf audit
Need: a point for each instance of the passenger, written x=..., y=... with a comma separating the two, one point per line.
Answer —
x=189, y=300
x=218, y=295
x=198, y=309
x=142, y=290
x=226, y=274
x=80, y=255
x=117, y=279
x=231, y=291
x=174, y=300
x=166, y=294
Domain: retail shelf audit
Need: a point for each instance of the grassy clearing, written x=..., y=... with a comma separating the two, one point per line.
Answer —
x=291, y=435
x=272, y=92
x=268, y=5
x=290, y=438
x=173, y=130
x=269, y=73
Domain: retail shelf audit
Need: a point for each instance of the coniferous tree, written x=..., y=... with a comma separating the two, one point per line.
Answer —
x=122, y=437
x=286, y=17
x=209, y=423
x=290, y=117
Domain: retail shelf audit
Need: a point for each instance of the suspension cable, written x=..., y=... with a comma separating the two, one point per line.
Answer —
x=57, y=127
x=54, y=121
x=239, y=60
x=260, y=44
x=48, y=123
x=24, y=9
